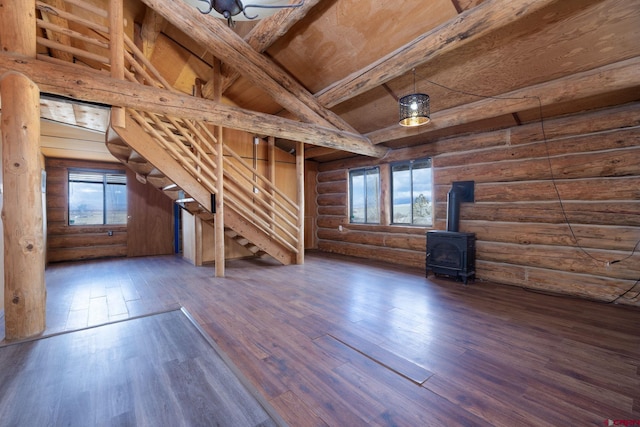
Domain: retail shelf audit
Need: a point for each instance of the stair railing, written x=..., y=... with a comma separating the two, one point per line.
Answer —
x=191, y=143
x=55, y=21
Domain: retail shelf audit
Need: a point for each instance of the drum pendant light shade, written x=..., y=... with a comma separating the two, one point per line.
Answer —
x=414, y=110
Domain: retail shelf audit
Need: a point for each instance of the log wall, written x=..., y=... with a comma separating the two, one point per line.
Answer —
x=70, y=243
x=580, y=243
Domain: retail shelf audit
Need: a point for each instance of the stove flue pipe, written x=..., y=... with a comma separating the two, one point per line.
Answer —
x=453, y=209
x=461, y=192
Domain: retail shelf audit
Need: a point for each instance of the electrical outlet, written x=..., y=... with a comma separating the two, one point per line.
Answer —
x=110, y=233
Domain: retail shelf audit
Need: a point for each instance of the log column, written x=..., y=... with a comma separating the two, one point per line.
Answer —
x=219, y=207
x=24, y=286
x=22, y=215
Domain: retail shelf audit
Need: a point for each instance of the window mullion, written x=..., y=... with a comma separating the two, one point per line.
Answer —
x=104, y=199
x=366, y=199
x=411, y=192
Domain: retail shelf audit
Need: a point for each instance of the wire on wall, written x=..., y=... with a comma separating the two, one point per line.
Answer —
x=555, y=186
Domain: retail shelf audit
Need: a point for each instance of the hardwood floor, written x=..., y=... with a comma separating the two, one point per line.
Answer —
x=156, y=370
x=339, y=341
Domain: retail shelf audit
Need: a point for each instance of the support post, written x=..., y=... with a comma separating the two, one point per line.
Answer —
x=300, y=182
x=116, y=45
x=22, y=217
x=271, y=173
x=219, y=208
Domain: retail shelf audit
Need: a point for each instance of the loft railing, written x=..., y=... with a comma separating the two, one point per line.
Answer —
x=79, y=33
x=81, y=38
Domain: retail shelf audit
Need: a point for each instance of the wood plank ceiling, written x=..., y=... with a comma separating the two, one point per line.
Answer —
x=344, y=63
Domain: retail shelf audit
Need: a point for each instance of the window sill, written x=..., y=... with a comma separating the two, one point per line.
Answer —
x=392, y=228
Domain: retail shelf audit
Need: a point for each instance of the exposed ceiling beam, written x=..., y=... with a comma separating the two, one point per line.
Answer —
x=310, y=153
x=89, y=85
x=152, y=26
x=264, y=34
x=467, y=27
x=612, y=77
x=258, y=69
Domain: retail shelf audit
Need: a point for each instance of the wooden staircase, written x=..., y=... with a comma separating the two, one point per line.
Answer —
x=145, y=155
x=244, y=242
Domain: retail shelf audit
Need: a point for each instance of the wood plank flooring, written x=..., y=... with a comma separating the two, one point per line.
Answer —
x=340, y=341
x=157, y=370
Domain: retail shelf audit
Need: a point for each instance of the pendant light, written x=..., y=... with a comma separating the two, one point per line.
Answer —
x=414, y=108
x=231, y=9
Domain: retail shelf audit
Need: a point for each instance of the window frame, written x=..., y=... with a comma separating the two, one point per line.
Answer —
x=365, y=172
x=105, y=173
x=411, y=164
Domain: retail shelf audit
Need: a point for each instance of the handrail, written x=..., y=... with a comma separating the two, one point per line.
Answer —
x=137, y=55
x=260, y=213
x=170, y=147
x=89, y=8
x=268, y=183
x=71, y=33
x=269, y=197
x=43, y=7
x=72, y=50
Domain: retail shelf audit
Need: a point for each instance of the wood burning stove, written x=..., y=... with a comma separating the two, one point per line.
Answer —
x=451, y=252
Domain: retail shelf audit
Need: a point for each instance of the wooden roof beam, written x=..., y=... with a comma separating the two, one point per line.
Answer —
x=263, y=35
x=467, y=27
x=609, y=78
x=85, y=84
x=258, y=69
x=152, y=26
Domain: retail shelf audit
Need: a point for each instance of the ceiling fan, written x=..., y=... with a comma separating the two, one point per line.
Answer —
x=230, y=8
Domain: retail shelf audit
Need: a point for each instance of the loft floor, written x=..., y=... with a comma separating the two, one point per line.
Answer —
x=339, y=341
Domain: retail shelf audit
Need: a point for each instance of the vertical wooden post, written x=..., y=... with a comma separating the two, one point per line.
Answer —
x=300, y=182
x=18, y=27
x=24, y=290
x=22, y=215
x=219, y=221
x=271, y=174
x=116, y=45
x=385, y=194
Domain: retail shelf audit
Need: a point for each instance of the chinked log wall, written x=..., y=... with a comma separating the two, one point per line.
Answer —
x=522, y=236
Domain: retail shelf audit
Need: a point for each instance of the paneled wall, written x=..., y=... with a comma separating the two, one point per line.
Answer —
x=557, y=207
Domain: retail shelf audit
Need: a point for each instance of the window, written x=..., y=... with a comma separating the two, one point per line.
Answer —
x=364, y=196
x=97, y=198
x=411, y=194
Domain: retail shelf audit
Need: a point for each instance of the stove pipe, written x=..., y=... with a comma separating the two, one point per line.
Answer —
x=461, y=191
x=453, y=209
